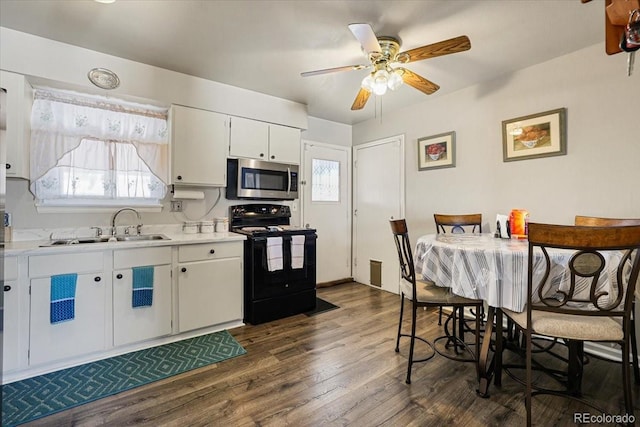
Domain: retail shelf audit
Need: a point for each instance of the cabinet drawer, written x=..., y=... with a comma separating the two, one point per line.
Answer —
x=141, y=256
x=47, y=265
x=205, y=251
x=10, y=268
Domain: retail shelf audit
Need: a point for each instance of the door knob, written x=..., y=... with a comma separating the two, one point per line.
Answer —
x=183, y=269
x=97, y=278
x=119, y=276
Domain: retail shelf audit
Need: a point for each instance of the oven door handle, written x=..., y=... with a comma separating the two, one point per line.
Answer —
x=289, y=179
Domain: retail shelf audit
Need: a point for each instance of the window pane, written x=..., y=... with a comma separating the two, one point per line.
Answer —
x=101, y=170
x=325, y=181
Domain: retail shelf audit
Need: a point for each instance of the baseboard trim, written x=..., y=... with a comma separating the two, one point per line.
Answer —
x=334, y=282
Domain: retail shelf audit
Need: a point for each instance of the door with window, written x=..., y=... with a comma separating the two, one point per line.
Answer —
x=326, y=207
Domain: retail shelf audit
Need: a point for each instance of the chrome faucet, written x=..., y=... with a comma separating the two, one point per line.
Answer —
x=115, y=215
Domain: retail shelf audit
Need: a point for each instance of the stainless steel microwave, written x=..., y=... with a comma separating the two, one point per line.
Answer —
x=260, y=180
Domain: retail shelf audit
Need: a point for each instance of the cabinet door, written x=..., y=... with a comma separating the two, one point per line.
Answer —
x=209, y=293
x=141, y=323
x=284, y=144
x=199, y=147
x=14, y=131
x=249, y=138
x=84, y=334
x=11, y=327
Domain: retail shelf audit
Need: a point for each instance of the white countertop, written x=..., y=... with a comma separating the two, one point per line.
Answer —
x=32, y=247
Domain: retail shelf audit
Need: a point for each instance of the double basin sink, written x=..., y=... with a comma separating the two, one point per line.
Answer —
x=105, y=239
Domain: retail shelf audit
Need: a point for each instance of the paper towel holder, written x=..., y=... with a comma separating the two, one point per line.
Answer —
x=186, y=194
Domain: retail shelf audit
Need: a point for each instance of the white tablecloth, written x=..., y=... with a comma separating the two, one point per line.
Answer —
x=495, y=270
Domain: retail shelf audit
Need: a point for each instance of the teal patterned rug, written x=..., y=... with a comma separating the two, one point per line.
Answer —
x=37, y=397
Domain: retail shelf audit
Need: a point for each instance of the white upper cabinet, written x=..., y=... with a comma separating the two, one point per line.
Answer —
x=284, y=144
x=199, y=146
x=15, y=117
x=249, y=138
x=264, y=141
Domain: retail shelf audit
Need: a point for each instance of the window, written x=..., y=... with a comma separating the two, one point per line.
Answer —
x=97, y=151
x=325, y=180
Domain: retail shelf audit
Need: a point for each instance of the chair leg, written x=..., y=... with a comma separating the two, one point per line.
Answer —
x=626, y=377
x=498, y=356
x=479, y=319
x=528, y=396
x=414, y=312
x=440, y=317
x=400, y=322
x=634, y=347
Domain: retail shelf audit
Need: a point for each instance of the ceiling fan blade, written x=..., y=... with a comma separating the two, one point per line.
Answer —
x=333, y=70
x=445, y=47
x=361, y=99
x=367, y=38
x=416, y=81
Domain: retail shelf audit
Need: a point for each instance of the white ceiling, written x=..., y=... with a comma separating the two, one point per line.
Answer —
x=264, y=45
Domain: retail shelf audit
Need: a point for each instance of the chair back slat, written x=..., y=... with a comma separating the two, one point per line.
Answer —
x=593, y=248
x=593, y=221
x=405, y=254
x=458, y=223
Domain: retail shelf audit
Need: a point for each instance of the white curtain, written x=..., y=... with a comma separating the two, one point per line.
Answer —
x=125, y=144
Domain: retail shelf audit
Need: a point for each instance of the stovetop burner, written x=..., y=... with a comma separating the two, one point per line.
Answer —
x=264, y=219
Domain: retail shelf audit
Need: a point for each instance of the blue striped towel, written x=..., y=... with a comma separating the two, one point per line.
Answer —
x=62, y=297
x=142, y=287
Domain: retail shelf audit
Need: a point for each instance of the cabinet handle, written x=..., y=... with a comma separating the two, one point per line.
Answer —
x=261, y=154
x=179, y=177
x=183, y=269
x=119, y=276
x=97, y=278
x=212, y=251
x=273, y=157
x=8, y=165
x=7, y=288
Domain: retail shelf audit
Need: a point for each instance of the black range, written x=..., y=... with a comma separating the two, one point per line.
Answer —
x=279, y=262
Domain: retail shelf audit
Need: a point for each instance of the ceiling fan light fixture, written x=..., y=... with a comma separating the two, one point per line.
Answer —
x=395, y=81
x=380, y=82
x=367, y=83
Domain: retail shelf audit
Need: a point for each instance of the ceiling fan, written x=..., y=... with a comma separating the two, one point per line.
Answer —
x=383, y=53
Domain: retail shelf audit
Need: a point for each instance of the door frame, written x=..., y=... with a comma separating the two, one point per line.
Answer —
x=349, y=167
x=354, y=244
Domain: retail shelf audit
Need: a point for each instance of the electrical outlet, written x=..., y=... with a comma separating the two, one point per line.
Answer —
x=176, y=206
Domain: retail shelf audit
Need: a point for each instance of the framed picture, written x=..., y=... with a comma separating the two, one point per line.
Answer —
x=534, y=136
x=436, y=152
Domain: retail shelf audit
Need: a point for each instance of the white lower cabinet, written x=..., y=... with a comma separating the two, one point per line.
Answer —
x=11, y=313
x=134, y=324
x=206, y=292
x=209, y=284
x=83, y=334
x=86, y=332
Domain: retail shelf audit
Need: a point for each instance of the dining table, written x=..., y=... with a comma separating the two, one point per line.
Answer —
x=481, y=266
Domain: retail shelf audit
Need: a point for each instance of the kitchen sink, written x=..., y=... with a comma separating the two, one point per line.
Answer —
x=138, y=237
x=104, y=239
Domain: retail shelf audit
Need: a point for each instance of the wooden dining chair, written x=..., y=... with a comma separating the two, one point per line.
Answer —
x=461, y=223
x=579, y=311
x=458, y=223
x=593, y=221
x=423, y=294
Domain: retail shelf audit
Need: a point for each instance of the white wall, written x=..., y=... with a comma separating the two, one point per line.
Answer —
x=66, y=64
x=598, y=176
x=328, y=132
x=44, y=60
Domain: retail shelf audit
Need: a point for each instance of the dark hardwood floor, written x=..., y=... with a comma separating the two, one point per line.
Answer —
x=337, y=368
